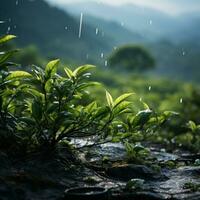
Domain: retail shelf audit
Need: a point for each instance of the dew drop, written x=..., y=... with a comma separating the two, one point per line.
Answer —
x=8, y=30
x=150, y=88
x=80, y=25
x=106, y=63
x=97, y=31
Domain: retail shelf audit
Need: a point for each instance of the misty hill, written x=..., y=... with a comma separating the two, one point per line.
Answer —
x=117, y=32
x=54, y=31
x=148, y=22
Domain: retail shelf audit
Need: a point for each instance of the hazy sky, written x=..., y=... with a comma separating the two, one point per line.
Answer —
x=170, y=6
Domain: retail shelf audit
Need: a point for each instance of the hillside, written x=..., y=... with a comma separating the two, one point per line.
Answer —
x=52, y=30
x=103, y=29
x=151, y=23
x=148, y=22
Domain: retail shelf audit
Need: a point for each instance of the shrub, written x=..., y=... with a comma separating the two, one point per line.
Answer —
x=41, y=108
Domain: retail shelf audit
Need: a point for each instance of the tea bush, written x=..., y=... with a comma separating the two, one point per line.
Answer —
x=40, y=108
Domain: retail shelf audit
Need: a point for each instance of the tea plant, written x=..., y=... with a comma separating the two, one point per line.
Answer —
x=40, y=108
x=7, y=119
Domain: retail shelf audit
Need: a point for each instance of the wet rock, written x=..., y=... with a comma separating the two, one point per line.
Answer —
x=128, y=171
x=186, y=196
x=191, y=157
x=140, y=196
x=163, y=156
x=190, y=171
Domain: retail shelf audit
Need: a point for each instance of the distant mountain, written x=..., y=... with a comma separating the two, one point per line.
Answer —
x=187, y=5
x=54, y=31
x=148, y=22
x=173, y=41
x=116, y=31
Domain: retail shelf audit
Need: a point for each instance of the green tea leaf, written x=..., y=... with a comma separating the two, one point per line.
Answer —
x=91, y=107
x=146, y=106
x=37, y=110
x=82, y=69
x=6, y=38
x=121, y=99
x=69, y=72
x=141, y=118
x=102, y=112
x=192, y=126
x=18, y=74
x=51, y=68
x=4, y=57
x=109, y=99
x=89, y=84
x=122, y=108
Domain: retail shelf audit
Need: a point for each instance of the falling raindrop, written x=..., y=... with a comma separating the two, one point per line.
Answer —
x=181, y=100
x=115, y=48
x=9, y=19
x=80, y=26
x=183, y=53
x=102, y=34
x=140, y=98
x=150, y=22
x=102, y=55
x=8, y=30
x=1, y=22
x=66, y=28
x=17, y=2
x=87, y=56
x=150, y=88
x=122, y=23
x=106, y=63
x=97, y=31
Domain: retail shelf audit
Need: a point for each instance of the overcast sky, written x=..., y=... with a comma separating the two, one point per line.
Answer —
x=170, y=6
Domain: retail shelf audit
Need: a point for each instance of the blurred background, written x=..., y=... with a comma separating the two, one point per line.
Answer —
x=149, y=47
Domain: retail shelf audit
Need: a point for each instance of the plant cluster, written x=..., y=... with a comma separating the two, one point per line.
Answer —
x=40, y=108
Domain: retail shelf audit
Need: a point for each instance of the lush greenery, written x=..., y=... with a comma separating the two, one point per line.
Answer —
x=132, y=58
x=41, y=109
x=176, y=54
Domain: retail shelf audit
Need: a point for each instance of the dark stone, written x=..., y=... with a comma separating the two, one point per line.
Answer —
x=127, y=172
x=86, y=193
x=190, y=171
x=186, y=196
x=139, y=196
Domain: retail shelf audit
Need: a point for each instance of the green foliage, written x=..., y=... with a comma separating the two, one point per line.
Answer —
x=134, y=184
x=132, y=58
x=194, y=187
x=6, y=38
x=136, y=153
x=193, y=127
x=49, y=36
x=41, y=108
